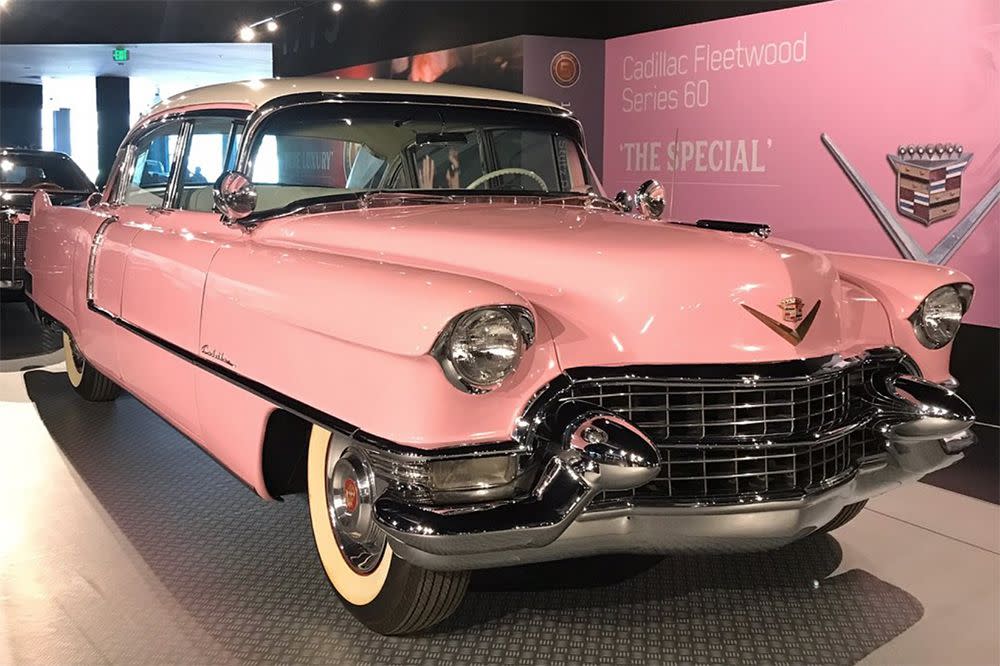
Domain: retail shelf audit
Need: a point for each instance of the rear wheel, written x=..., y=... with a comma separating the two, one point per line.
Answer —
x=846, y=515
x=86, y=379
x=387, y=594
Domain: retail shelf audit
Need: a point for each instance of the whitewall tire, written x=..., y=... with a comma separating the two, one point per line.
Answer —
x=86, y=379
x=386, y=593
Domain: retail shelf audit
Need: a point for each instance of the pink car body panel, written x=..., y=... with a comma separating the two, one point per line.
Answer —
x=339, y=310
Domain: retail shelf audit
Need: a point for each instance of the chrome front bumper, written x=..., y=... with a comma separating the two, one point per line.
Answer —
x=925, y=426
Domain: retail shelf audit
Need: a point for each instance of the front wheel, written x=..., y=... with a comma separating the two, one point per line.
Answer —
x=387, y=594
x=85, y=378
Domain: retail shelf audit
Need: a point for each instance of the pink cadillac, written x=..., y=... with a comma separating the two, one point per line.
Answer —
x=416, y=304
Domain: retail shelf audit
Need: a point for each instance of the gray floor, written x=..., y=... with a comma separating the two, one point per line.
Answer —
x=120, y=542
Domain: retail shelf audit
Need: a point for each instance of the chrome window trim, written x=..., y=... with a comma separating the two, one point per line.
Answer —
x=123, y=175
x=178, y=165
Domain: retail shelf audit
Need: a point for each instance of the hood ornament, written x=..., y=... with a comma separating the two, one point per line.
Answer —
x=791, y=311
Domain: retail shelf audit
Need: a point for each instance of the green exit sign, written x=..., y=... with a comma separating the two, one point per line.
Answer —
x=120, y=55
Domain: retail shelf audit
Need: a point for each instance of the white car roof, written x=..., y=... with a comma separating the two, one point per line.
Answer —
x=256, y=93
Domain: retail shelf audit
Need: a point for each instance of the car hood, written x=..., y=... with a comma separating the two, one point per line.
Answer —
x=611, y=289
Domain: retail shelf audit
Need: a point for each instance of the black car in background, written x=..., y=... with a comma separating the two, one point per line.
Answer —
x=22, y=172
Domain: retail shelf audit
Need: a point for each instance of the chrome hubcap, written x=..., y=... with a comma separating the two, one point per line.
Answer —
x=350, y=494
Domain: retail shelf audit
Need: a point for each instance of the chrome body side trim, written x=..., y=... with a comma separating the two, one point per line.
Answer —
x=95, y=246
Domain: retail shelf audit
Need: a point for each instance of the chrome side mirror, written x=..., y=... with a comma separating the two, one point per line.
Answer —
x=94, y=200
x=234, y=195
x=648, y=201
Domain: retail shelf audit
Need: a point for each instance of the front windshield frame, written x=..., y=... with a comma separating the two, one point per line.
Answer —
x=559, y=121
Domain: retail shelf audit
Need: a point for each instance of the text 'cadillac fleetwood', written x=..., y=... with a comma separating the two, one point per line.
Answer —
x=415, y=305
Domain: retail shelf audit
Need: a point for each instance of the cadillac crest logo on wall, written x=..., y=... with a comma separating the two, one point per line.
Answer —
x=565, y=69
x=929, y=180
x=929, y=187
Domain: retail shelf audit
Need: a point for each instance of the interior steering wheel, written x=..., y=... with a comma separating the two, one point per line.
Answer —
x=517, y=171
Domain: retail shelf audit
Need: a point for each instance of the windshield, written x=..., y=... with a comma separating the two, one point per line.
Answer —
x=52, y=171
x=325, y=150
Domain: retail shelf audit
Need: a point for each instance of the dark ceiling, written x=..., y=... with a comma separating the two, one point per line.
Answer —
x=315, y=39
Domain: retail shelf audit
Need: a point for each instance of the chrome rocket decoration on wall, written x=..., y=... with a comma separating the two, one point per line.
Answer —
x=929, y=180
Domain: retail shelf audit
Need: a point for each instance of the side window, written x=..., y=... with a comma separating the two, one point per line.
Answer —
x=154, y=156
x=211, y=150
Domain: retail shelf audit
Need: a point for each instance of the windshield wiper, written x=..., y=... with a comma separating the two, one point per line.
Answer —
x=381, y=198
x=588, y=200
x=403, y=196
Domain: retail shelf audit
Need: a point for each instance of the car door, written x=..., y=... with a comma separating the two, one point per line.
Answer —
x=171, y=233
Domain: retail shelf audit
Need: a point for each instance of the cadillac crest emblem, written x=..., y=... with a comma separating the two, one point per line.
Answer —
x=791, y=309
x=929, y=180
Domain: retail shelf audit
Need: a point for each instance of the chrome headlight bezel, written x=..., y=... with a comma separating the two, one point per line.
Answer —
x=523, y=326
x=930, y=336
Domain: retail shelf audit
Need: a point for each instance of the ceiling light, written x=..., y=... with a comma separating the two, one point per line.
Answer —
x=272, y=26
x=336, y=7
x=247, y=34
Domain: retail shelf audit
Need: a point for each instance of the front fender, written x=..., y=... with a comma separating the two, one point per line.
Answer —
x=351, y=337
x=900, y=286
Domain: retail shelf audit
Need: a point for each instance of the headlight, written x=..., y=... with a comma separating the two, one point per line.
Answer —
x=936, y=321
x=480, y=348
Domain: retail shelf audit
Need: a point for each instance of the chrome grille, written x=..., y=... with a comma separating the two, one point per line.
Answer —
x=696, y=411
x=13, y=238
x=757, y=437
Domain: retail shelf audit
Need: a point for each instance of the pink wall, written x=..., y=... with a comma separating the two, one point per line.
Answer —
x=871, y=74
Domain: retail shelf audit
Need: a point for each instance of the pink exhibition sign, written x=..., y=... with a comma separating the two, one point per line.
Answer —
x=789, y=118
